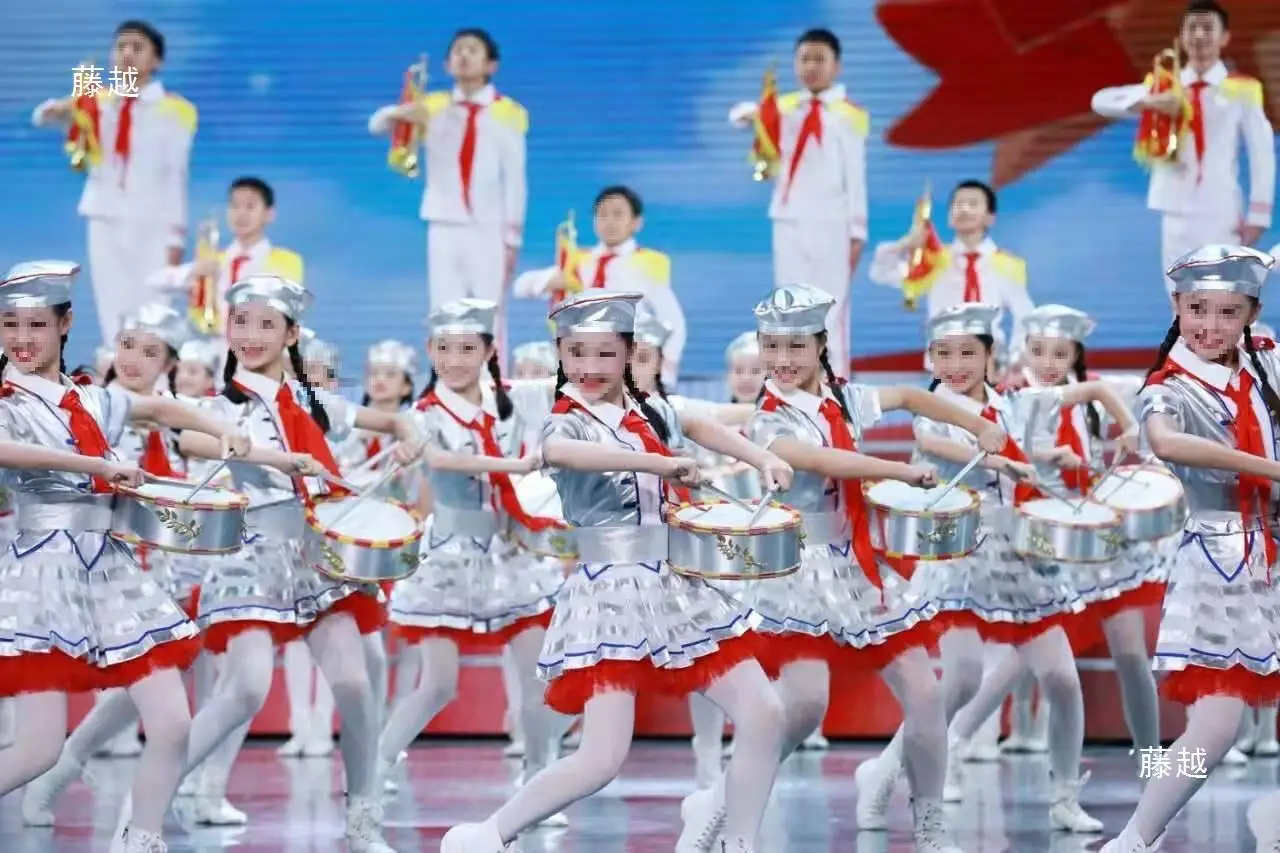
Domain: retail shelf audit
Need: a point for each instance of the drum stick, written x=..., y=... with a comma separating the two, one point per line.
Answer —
x=955, y=481
x=207, y=480
x=761, y=507
x=373, y=461
x=712, y=487
x=340, y=483
x=392, y=470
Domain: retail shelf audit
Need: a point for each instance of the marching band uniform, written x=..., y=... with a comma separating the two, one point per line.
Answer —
x=1199, y=196
x=135, y=199
x=236, y=262
x=819, y=203
x=475, y=198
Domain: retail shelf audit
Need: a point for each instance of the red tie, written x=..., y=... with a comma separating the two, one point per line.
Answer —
x=237, y=264
x=972, y=285
x=601, y=264
x=1077, y=479
x=86, y=434
x=855, y=505
x=302, y=435
x=1022, y=492
x=636, y=424
x=810, y=129
x=1255, y=491
x=1197, y=124
x=155, y=458
x=124, y=129
x=467, y=153
x=373, y=448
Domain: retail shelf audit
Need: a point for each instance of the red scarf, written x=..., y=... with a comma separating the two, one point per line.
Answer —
x=373, y=448
x=1076, y=479
x=302, y=435
x=504, y=491
x=87, y=435
x=811, y=128
x=1022, y=492
x=635, y=423
x=155, y=456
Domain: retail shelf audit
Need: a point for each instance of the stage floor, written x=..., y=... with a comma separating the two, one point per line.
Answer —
x=294, y=806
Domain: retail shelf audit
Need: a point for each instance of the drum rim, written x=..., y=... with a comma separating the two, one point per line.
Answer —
x=1116, y=522
x=135, y=541
x=1180, y=492
x=313, y=522
x=701, y=575
x=975, y=502
x=932, y=558
x=240, y=502
x=793, y=523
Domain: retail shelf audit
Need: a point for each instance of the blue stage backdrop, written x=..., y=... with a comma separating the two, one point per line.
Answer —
x=616, y=92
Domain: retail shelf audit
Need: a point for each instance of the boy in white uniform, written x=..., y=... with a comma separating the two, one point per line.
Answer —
x=819, y=204
x=135, y=197
x=475, y=198
x=1199, y=196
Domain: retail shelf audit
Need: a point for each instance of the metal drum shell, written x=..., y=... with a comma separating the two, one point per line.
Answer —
x=1155, y=524
x=927, y=536
x=726, y=553
x=1067, y=541
x=349, y=558
x=199, y=527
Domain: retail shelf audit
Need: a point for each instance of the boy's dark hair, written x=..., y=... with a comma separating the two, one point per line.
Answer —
x=261, y=187
x=981, y=187
x=145, y=30
x=1208, y=7
x=820, y=35
x=481, y=35
x=630, y=196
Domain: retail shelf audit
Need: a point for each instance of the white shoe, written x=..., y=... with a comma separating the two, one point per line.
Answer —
x=1129, y=841
x=1266, y=748
x=702, y=816
x=133, y=840
x=125, y=745
x=292, y=748
x=930, y=831
x=981, y=753
x=1235, y=758
x=472, y=838
x=737, y=845
x=214, y=810
x=953, y=787
x=1247, y=743
x=188, y=787
x=1065, y=813
x=318, y=745
x=1264, y=822
x=874, y=780
x=815, y=743
x=514, y=749
x=364, y=827
x=40, y=794
x=1017, y=744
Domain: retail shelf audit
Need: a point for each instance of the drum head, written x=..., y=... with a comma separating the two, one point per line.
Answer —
x=1138, y=489
x=371, y=519
x=907, y=498
x=727, y=515
x=177, y=491
x=1052, y=509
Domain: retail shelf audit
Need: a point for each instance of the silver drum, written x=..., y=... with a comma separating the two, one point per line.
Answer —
x=902, y=527
x=366, y=540
x=157, y=514
x=1150, y=501
x=1055, y=530
x=711, y=540
x=540, y=499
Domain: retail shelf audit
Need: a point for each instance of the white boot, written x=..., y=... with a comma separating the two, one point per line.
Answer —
x=1065, y=813
x=41, y=793
x=472, y=838
x=815, y=742
x=136, y=840
x=874, y=781
x=1235, y=758
x=210, y=805
x=984, y=745
x=319, y=741
x=930, y=833
x=364, y=827
x=1130, y=842
x=737, y=845
x=702, y=816
x=299, y=732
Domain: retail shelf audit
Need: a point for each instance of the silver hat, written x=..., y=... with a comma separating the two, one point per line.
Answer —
x=395, y=354
x=596, y=311
x=1059, y=321
x=38, y=284
x=969, y=318
x=649, y=328
x=1221, y=267
x=313, y=348
x=463, y=316
x=207, y=352
x=794, y=309
x=288, y=297
x=160, y=321
x=541, y=353
x=747, y=343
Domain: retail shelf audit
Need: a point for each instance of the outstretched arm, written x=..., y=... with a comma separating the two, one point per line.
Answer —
x=928, y=405
x=841, y=464
x=33, y=457
x=1104, y=393
x=178, y=415
x=1173, y=445
x=576, y=455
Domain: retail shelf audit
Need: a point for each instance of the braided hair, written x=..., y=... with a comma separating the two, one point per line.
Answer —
x=501, y=399
x=1166, y=347
x=235, y=395
x=1090, y=411
x=656, y=421
x=835, y=382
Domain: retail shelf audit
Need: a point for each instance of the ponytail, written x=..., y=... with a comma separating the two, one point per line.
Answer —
x=229, y=389
x=318, y=413
x=561, y=379
x=642, y=400
x=500, y=397
x=1090, y=411
x=836, y=383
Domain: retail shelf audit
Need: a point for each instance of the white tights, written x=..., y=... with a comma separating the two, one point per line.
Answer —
x=608, y=723
x=1212, y=723
x=162, y=702
x=300, y=672
x=1049, y=658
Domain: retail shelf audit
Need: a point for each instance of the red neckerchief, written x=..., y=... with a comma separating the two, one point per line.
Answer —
x=302, y=435
x=635, y=423
x=155, y=456
x=504, y=491
x=810, y=128
x=373, y=448
x=1246, y=429
x=86, y=434
x=1076, y=479
x=1022, y=492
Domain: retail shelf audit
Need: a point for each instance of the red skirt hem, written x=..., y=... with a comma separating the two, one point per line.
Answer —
x=58, y=672
x=778, y=650
x=494, y=641
x=569, y=693
x=369, y=616
x=1007, y=633
x=1085, y=631
x=922, y=635
x=1185, y=686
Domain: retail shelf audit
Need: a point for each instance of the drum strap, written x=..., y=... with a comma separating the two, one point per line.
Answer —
x=1022, y=492
x=1077, y=479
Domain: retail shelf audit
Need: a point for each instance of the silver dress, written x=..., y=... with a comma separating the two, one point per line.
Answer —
x=623, y=619
x=473, y=580
x=266, y=581
x=830, y=596
x=66, y=586
x=1006, y=597
x=1220, y=629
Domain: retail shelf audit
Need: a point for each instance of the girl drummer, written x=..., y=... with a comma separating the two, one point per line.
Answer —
x=65, y=629
x=473, y=585
x=624, y=623
x=199, y=362
x=1210, y=410
x=994, y=595
x=264, y=594
x=834, y=611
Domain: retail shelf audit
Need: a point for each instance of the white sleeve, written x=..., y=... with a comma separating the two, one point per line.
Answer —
x=179, y=184
x=171, y=279
x=1119, y=101
x=743, y=114
x=888, y=265
x=341, y=412
x=380, y=122
x=40, y=115
x=1260, y=142
x=855, y=184
x=515, y=192
x=532, y=284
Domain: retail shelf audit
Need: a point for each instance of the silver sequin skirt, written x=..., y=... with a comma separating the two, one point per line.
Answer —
x=83, y=595
x=466, y=584
x=177, y=574
x=1139, y=564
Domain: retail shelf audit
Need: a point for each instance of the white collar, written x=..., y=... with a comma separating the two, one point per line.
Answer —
x=1214, y=76
x=263, y=386
x=967, y=403
x=832, y=95
x=51, y=392
x=464, y=409
x=1216, y=376
x=483, y=96
x=984, y=249
x=260, y=249
x=626, y=247
x=153, y=91
x=607, y=413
